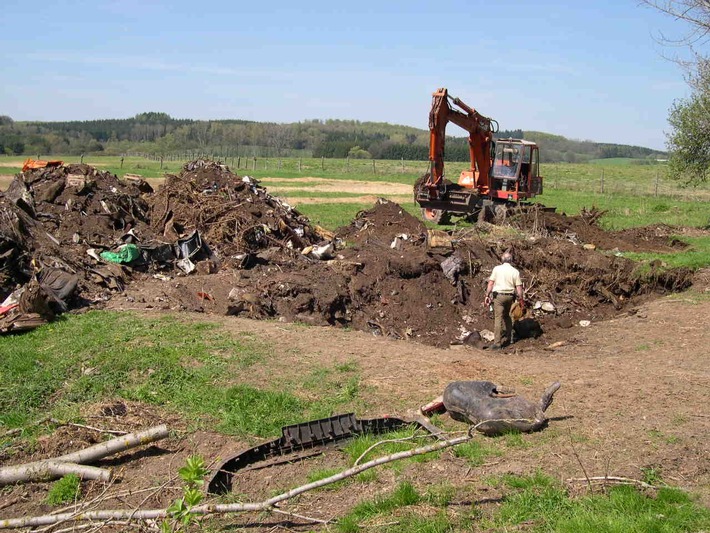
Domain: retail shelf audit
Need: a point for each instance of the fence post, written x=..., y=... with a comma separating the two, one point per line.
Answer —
x=374, y=170
x=254, y=165
x=161, y=162
x=266, y=164
x=322, y=163
x=347, y=164
x=239, y=162
x=299, y=164
x=602, y=183
x=403, y=165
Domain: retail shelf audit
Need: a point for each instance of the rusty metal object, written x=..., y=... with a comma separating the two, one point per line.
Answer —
x=299, y=437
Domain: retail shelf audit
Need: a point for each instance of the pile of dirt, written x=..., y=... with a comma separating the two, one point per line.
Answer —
x=209, y=240
x=385, y=277
x=235, y=215
x=583, y=229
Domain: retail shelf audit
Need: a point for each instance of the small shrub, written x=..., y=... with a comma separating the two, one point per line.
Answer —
x=65, y=490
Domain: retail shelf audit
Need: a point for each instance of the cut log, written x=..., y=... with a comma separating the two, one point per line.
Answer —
x=73, y=462
x=50, y=469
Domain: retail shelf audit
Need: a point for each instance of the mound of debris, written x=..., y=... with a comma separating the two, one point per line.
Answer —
x=235, y=215
x=74, y=236
x=103, y=232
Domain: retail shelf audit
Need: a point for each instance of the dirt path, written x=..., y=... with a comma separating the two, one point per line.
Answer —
x=369, y=190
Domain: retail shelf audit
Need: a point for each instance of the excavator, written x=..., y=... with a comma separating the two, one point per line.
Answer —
x=503, y=174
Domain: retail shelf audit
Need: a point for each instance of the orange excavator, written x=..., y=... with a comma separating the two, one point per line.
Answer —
x=503, y=174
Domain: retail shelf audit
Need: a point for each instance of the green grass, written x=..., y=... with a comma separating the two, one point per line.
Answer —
x=543, y=505
x=696, y=256
x=64, y=490
x=627, y=211
x=197, y=371
x=403, y=495
x=356, y=447
x=475, y=452
x=621, y=161
x=332, y=216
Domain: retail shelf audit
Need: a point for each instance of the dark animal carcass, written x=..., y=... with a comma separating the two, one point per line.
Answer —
x=481, y=401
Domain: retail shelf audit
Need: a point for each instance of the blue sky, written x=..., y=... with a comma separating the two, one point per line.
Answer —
x=586, y=70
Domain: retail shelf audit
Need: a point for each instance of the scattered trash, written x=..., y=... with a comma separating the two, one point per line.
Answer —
x=186, y=265
x=322, y=252
x=305, y=438
x=126, y=254
x=584, y=323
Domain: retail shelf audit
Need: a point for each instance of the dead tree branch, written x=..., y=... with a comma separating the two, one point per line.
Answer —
x=149, y=514
x=612, y=479
x=75, y=462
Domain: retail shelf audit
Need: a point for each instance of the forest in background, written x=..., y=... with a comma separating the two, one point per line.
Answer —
x=162, y=135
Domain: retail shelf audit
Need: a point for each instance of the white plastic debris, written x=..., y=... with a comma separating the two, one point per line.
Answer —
x=548, y=307
x=585, y=323
x=186, y=265
x=487, y=335
x=323, y=252
x=93, y=253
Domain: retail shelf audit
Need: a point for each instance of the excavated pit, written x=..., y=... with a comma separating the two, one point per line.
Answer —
x=250, y=254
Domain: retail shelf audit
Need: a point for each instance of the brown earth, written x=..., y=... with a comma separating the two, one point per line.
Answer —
x=634, y=382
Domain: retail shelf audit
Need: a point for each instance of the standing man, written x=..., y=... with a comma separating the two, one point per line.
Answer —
x=503, y=285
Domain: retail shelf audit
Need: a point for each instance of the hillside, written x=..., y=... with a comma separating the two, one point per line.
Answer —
x=161, y=135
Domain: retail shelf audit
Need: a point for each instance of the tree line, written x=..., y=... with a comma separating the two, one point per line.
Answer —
x=161, y=135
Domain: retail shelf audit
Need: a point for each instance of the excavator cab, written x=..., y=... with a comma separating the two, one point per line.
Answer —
x=515, y=173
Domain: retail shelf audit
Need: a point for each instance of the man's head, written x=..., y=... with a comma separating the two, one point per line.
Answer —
x=507, y=257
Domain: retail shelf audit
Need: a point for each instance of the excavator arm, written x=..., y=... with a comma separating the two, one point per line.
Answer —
x=480, y=133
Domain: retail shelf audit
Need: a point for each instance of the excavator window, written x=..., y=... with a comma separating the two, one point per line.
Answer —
x=507, y=161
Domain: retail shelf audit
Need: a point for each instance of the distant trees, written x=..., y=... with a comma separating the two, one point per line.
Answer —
x=160, y=134
x=689, y=142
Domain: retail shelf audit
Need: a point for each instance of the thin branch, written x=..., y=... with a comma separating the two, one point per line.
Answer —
x=612, y=479
x=302, y=517
x=92, y=428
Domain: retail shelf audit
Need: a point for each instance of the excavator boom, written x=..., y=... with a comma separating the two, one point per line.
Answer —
x=480, y=134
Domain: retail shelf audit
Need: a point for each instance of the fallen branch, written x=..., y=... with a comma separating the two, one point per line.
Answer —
x=74, y=463
x=206, y=509
x=91, y=428
x=119, y=444
x=612, y=479
x=50, y=469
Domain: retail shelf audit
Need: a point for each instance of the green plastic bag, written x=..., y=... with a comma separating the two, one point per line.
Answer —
x=127, y=254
